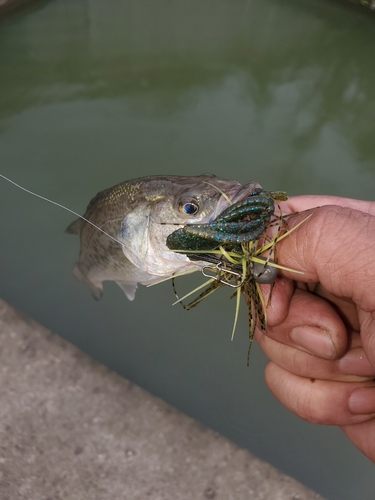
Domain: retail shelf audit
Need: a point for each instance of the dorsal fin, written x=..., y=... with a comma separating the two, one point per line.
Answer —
x=74, y=227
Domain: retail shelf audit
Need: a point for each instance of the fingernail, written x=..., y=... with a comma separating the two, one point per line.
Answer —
x=362, y=400
x=314, y=340
x=355, y=363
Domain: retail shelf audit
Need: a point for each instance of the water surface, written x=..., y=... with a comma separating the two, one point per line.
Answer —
x=95, y=93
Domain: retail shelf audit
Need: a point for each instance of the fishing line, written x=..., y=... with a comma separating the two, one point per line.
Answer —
x=60, y=206
x=220, y=191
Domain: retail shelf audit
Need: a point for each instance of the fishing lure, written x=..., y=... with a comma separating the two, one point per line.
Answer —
x=233, y=245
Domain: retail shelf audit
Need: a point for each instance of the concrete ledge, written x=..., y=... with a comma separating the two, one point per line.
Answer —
x=71, y=429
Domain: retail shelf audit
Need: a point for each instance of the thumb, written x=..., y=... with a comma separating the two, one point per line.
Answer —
x=334, y=246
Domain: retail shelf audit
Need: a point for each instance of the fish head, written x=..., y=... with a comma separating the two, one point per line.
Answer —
x=164, y=204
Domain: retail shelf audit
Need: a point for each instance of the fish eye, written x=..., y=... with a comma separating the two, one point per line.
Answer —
x=188, y=206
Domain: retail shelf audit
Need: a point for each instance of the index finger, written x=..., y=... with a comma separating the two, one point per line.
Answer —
x=306, y=202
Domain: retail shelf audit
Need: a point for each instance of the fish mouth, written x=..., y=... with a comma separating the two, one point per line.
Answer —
x=236, y=193
x=245, y=191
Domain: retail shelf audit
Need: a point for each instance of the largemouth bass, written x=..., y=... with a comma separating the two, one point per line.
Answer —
x=137, y=217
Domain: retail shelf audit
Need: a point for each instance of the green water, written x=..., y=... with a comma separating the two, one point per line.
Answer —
x=93, y=93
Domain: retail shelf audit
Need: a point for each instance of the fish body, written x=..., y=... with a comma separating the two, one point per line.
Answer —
x=140, y=214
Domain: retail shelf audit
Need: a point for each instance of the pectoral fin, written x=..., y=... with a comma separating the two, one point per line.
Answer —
x=129, y=289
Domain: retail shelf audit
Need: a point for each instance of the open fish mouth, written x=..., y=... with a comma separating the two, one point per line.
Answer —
x=230, y=197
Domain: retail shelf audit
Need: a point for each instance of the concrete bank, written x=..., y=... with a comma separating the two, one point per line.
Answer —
x=70, y=429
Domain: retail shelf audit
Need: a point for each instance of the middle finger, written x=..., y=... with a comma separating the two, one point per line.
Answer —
x=352, y=367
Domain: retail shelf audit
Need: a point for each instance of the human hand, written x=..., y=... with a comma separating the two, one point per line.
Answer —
x=321, y=325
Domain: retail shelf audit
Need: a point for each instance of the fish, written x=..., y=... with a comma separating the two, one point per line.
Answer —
x=227, y=230
x=124, y=230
